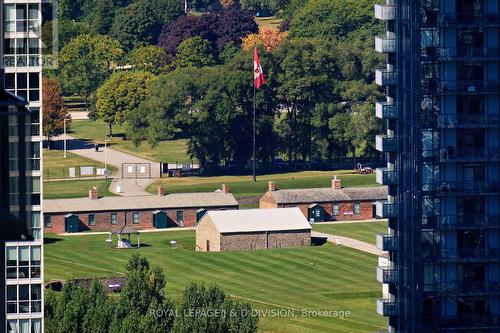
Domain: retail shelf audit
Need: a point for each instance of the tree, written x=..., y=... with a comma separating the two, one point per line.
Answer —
x=269, y=38
x=140, y=23
x=121, y=94
x=150, y=58
x=198, y=299
x=233, y=25
x=86, y=61
x=102, y=17
x=182, y=28
x=194, y=52
x=54, y=111
x=335, y=19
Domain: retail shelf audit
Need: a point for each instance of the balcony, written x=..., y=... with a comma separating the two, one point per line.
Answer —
x=385, y=12
x=468, y=86
x=454, y=154
x=387, y=275
x=386, y=242
x=469, y=254
x=386, y=144
x=459, y=53
x=468, y=120
x=386, y=110
x=387, y=307
x=386, y=77
x=386, y=44
x=386, y=177
x=384, y=209
x=479, y=220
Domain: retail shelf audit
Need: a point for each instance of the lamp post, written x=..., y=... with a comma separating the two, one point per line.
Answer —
x=106, y=155
x=65, y=118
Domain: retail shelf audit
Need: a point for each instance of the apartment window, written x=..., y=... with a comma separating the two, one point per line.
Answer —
x=135, y=218
x=357, y=208
x=24, y=298
x=36, y=262
x=34, y=225
x=11, y=256
x=47, y=221
x=114, y=218
x=335, y=209
x=91, y=219
x=12, y=299
x=24, y=262
x=180, y=217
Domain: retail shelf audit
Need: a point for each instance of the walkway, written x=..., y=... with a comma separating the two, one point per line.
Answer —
x=124, y=187
x=350, y=242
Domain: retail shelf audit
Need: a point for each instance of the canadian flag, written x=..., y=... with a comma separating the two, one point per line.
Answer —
x=258, y=74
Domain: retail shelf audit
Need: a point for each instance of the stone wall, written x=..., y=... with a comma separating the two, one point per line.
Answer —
x=260, y=241
x=207, y=232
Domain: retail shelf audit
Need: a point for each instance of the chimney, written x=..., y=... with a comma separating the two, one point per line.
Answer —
x=272, y=186
x=93, y=194
x=226, y=189
x=336, y=183
x=161, y=191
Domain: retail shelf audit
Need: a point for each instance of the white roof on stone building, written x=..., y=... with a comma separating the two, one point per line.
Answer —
x=169, y=201
x=255, y=220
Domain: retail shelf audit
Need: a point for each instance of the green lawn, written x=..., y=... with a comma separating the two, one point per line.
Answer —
x=75, y=188
x=363, y=231
x=326, y=278
x=268, y=22
x=97, y=131
x=242, y=186
x=55, y=166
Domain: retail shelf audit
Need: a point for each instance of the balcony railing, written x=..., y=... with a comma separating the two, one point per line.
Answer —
x=387, y=242
x=468, y=287
x=469, y=253
x=385, y=176
x=458, y=154
x=386, y=44
x=468, y=187
x=386, y=144
x=468, y=120
x=387, y=275
x=386, y=110
x=480, y=220
x=472, y=18
x=384, y=209
x=468, y=86
x=385, y=12
x=453, y=53
x=386, y=77
x=387, y=307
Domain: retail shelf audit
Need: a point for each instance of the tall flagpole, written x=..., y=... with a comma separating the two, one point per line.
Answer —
x=254, y=131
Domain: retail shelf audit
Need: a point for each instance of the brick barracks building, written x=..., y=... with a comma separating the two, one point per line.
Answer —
x=252, y=229
x=140, y=212
x=327, y=204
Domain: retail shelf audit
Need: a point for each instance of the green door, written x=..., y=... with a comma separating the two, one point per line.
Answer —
x=316, y=213
x=72, y=224
x=160, y=220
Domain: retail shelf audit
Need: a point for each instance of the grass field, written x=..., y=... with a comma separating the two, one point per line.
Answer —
x=362, y=231
x=75, y=188
x=55, y=166
x=242, y=186
x=97, y=131
x=268, y=22
x=325, y=278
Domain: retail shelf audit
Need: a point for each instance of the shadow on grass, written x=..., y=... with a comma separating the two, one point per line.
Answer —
x=318, y=241
x=49, y=240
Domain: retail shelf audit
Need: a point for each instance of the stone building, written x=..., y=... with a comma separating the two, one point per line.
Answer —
x=253, y=229
x=140, y=212
x=327, y=204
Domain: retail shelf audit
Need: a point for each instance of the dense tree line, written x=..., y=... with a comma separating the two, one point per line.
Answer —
x=144, y=308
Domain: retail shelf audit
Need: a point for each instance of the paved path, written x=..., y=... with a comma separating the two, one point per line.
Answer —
x=349, y=242
x=124, y=187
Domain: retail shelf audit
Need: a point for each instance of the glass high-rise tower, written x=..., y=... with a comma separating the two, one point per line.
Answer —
x=442, y=146
x=21, y=240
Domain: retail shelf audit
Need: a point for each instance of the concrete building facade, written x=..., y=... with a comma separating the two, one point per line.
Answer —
x=327, y=204
x=22, y=255
x=254, y=229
